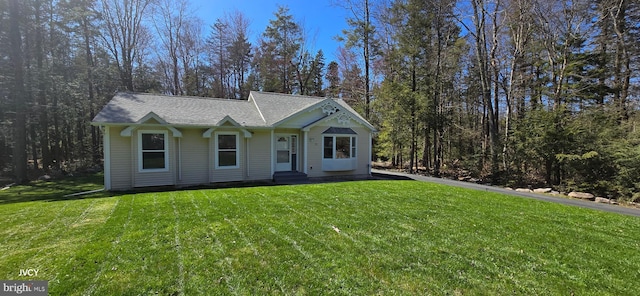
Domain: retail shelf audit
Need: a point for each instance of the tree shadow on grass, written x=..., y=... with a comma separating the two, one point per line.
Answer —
x=55, y=190
x=383, y=176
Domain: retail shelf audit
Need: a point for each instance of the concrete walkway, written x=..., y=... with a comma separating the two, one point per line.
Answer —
x=544, y=197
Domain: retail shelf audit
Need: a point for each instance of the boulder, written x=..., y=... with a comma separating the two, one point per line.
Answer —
x=603, y=200
x=44, y=178
x=523, y=190
x=542, y=190
x=582, y=195
x=508, y=188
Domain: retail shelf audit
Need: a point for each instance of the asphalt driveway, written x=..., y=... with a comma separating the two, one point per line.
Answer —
x=544, y=197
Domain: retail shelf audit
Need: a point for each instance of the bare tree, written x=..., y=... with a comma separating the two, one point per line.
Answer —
x=361, y=35
x=121, y=34
x=169, y=21
x=616, y=16
x=240, y=53
x=219, y=56
x=191, y=50
x=485, y=59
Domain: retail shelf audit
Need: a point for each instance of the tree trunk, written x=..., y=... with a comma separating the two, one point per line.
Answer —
x=482, y=60
x=366, y=52
x=622, y=59
x=426, y=156
x=41, y=95
x=95, y=145
x=34, y=146
x=18, y=94
x=57, y=156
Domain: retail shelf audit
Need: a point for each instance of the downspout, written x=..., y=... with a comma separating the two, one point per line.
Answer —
x=304, y=157
x=273, y=148
x=134, y=156
x=369, y=160
x=246, y=156
x=106, y=149
x=179, y=161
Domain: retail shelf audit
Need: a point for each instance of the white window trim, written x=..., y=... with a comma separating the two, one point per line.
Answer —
x=354, y=147
x=339, y=164
x=350, y=136
x=166, y=151
x=215, y=145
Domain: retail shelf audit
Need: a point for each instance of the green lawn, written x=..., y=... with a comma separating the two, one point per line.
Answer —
x=395, y=237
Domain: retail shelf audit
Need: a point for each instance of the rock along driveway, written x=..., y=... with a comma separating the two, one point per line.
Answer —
x=544, y=197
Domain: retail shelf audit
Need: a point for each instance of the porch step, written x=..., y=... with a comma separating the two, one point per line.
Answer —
x=290, y=178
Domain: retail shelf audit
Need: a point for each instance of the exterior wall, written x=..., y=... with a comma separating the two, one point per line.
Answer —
x=315, y=151
x=144, y=179
x=259, y=156
x=120, y=159
x=193, y=158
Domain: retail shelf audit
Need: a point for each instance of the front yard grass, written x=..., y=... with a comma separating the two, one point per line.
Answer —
x=351, y=238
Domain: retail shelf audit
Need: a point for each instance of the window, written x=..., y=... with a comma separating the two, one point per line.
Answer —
x=328, y=147
x=339, y=147
x=353, y=146
x=153, y=148
x=282, y=150
x=227, y=150
x=343, y=147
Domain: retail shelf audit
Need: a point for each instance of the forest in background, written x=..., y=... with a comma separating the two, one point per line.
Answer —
x=510, y=91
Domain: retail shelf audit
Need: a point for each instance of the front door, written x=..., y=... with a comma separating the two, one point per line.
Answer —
x=283, y=153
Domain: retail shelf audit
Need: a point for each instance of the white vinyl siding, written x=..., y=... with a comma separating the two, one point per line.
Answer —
x=259, y=156
x=194, y=158
x=121, y=160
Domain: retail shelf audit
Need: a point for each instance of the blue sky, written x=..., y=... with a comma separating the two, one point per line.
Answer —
x=322, y=21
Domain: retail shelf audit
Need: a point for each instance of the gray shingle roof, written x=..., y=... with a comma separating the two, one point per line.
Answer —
x=126, y=108
x=340, y=130
x=178, y=110
x=276, y=107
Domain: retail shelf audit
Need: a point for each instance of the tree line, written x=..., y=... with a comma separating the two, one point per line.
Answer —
x=63, y=60
x=513, y=91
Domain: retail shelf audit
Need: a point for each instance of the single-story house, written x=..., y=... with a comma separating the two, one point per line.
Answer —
x=159, y=140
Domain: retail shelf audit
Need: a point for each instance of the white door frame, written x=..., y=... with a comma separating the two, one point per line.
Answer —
x=287, y=166
x=282, y=146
